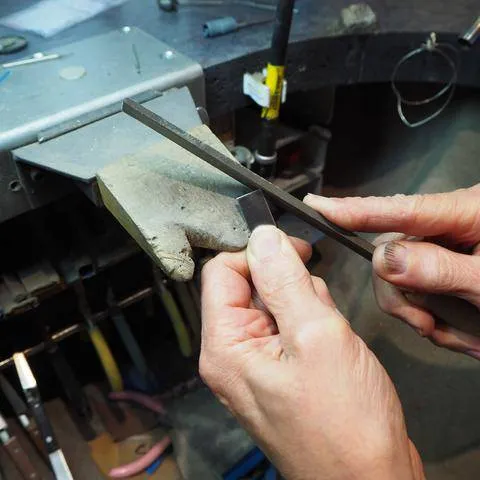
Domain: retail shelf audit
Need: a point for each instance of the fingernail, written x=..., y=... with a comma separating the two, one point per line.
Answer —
x=265, y=241
x=319, y=202
x=395, y=257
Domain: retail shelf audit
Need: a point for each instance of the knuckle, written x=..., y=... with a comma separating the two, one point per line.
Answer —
x=356, y=212
x=328, y=331
x=209, y=371
x=205, y=369
x=385, y=294
x=441, y=343
x=393, y=208
x=308, y=338
x=448, y=276
x=338, y=331
x=412, y=209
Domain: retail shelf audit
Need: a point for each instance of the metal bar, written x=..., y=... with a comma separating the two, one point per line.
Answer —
x=281, y=32
x=80, y=327
x=247, y=177
x=255, y=210
x=36, y=58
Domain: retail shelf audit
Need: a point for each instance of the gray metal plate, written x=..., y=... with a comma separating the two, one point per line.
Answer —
x=81, y=153
x=36, y=97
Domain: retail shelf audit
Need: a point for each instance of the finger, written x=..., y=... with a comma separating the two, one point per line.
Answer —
x=303, y=248
x=319, y=286
x=453, y=214
x=222, y=274
x=263, y=326
x=392, y=301
x=425, y=267
x=225, y=282
x=453, y=339
x=282, y=281
x=322, y=291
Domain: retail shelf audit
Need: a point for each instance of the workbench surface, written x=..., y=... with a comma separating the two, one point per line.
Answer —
x=320, y=54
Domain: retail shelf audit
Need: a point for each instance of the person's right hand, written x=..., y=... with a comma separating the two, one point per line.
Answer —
x=448, y=219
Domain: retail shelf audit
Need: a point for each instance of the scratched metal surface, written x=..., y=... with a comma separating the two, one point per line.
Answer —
x=319, y=55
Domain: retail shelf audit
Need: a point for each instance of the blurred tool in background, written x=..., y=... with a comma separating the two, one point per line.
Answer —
x=16, y=452
x=76, y=400
x=266, y=152
x=146, y=377
x=150, y=460
x=172, y=5
x=35, y=58
x=23, y=415
x=12, y=44
x=185, y=293
x=104, y=353
x=225, y=25
x=471, y=35
x=173, y=312
x=32, y=394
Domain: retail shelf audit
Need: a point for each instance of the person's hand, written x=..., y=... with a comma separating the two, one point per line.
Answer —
x=413, y=259
x=281, y=357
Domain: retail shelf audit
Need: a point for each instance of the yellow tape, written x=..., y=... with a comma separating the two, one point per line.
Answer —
x=274, y=82
x=106, y=358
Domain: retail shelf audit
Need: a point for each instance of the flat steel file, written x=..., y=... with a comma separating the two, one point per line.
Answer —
x=247, y=177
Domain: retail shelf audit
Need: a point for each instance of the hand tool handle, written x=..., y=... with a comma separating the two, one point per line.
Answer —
x=219, y=26
x=136, y=467
x=36, y=437
x=71, y=385
x=128, y=338
x=106, y=358
x=20, y=459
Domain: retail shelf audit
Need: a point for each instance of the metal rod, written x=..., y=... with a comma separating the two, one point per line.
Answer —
x=36, y=58
x=281, y=32
x=80, y=327
x=247, y=177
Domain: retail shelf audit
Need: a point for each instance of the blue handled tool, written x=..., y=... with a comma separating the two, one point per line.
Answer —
x=223, y=25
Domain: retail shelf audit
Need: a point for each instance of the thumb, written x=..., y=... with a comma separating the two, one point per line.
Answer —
x=282, y=281
x=426, y=267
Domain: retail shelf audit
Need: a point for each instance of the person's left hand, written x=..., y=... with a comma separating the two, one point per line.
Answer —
x=280, y=356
